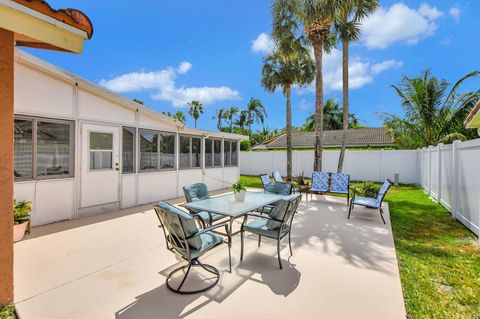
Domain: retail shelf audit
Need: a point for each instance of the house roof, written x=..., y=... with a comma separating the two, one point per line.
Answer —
x=359, y=137
x=473, y=119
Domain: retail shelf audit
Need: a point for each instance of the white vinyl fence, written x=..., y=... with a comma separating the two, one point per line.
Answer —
x=450, y=174
x=374, y=165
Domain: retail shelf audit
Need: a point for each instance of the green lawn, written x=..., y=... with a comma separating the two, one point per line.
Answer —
x=439, y=258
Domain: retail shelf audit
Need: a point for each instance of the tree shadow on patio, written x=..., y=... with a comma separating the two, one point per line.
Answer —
x=362, y=240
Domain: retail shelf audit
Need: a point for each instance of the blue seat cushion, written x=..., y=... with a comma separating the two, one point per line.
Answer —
x=259, y=226
x=206, y=216
x=367, y=202
x=208, y=241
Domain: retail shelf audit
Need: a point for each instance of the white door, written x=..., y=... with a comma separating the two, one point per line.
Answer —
x=100, y=165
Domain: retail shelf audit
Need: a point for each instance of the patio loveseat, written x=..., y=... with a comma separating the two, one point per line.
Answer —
x=332, y=183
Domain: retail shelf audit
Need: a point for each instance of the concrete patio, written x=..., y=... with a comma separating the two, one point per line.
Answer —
x=114, y=266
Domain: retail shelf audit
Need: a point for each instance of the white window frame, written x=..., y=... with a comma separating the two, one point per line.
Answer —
x=212, y=140
x=202, y=151
x=138, y=148
x=230, y=151
x=135, y=133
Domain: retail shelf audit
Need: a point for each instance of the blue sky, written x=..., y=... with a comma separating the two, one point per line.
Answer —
x=169, y=52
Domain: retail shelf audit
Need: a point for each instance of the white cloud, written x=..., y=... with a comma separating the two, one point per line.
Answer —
x=361, y=72
x=184, y=67
x=388, y=64
x=455, y=13
x=262, y=44
x=399, y=24
x=164, y=88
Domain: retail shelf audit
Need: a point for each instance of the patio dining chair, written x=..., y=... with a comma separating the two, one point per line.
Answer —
x=265, y=179
x=199, y=191
x=276, y=225
x=278, y=188
x=369, y=202
x=277, y=177
x=184, y=238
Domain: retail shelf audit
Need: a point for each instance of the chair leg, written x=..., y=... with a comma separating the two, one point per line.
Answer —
x=290, y=242
x=348, y=198
x=185, y=277
x=241, y=244
x=259, y=240
x=278, y=253
x=381, y=215
x=350, y=209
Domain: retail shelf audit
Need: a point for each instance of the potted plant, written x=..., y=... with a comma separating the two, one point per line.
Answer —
x=301, y=182
x=239, y=191
x=21, y=219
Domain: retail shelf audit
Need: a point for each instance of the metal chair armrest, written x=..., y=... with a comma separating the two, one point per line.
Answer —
x=203, y=231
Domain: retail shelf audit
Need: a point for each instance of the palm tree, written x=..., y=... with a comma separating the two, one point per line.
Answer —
x=255, y=113
x=179, y=116
x=433, y=114
x=195, y=109
x=242, y=119
x=219, y=116
x=332, y=118
x=230, y=114
x=282, y=70
x=347, y=26
x=316, y=16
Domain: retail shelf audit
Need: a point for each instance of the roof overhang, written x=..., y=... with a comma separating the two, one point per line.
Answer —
x=35, y=24
x=473, y=119
x=213, y=134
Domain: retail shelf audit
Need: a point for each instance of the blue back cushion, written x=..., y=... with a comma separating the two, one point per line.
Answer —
x=383, y=191
x=277, y=177
x=178, y=223
x=265, y=179
x=197, y=191
x=320, y=181
x=283, y=211
x=280, y=188
x=339, y=183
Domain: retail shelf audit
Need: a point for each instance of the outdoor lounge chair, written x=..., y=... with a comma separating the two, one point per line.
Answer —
x=184, y=238
x=371, y=202
x=199, y=191
x=334, y=183
x=276, y=225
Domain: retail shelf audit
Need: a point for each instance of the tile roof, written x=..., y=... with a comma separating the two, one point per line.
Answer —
x=359, y=137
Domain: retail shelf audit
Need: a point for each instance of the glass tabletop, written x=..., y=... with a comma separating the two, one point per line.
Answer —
x=228, y=206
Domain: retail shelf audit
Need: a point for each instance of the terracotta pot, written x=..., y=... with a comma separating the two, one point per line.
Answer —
x=240, y=196
x=19, y=231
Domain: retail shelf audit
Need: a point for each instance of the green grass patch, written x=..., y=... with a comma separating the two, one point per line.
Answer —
x=7, y=312
x=439, y=258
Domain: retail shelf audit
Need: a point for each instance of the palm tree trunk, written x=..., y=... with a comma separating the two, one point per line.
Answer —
x=289, y=131
x=318, y=53
x=345, y=104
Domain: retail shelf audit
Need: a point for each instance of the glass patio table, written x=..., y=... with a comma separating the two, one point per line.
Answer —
x=227, y=206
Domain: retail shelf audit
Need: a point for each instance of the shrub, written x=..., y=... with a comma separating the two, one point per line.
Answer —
x=245, y=145
x=366, y=189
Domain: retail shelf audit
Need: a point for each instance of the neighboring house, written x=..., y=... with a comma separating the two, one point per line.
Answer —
x=358, y=137
x=82, y=150
x=473, y=119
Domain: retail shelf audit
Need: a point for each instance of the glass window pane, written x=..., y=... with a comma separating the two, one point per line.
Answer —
x=184, y=152
x=101, y=141
x=167, y=151
x=53, y=149
x=208, y=152
x=100, y=160
x=227, y=155
x=234, y=154
x=128, y=150
x=148, y=150
x=23, y=148
x=217, y=149
x=196, y=152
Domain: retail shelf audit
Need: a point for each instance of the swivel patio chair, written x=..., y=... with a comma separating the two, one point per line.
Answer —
x=375, y=203
x=184, y=238
x=199, y=191
x=277, y=177
x=278, y=188
x=276, y=225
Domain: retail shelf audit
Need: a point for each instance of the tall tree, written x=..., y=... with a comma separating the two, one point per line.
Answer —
x=241, y=121
x=332, y=118
x=195, y=109
x=347, y=26
x=219, y=116
x=317, y=17
x=282, y=70
x=255, y=113
x=433, y=113
x=179, y=116
x=230, y=114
